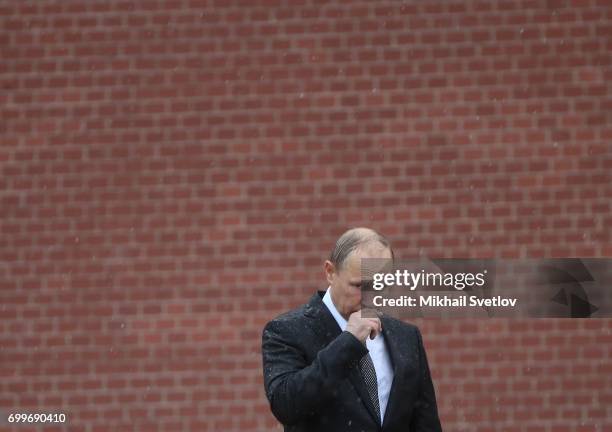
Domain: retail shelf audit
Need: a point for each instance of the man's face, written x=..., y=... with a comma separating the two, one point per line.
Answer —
x=346, y=282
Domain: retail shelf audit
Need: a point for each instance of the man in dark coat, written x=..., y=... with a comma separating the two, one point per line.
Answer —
x=327, y=368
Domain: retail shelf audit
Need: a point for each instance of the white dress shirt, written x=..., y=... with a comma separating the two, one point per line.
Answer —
x=378, y=352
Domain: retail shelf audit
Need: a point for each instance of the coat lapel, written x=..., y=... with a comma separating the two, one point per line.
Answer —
x=399, y=362
x=328, y=329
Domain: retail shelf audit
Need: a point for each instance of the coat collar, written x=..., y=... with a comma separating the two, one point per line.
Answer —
x=327, y=327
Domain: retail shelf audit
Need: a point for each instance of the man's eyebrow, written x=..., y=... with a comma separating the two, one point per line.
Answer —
x=356, y=282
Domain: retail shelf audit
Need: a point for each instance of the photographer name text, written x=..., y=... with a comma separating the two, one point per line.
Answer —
x=443, y=301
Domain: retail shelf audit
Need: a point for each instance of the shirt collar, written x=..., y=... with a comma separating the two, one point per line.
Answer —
x=327, y=300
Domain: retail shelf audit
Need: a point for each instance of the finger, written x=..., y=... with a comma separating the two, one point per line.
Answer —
x=374, y=330
x=378, y=327
x=376, y=322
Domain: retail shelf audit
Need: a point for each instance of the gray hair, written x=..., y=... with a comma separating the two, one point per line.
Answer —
x=352, y=240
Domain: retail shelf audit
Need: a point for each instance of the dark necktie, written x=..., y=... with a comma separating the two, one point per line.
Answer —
x=369, y=376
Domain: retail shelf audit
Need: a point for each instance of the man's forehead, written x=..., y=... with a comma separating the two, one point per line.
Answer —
x=363, y=263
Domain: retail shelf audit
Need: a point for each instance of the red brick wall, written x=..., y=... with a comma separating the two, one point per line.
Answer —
x=173, y=173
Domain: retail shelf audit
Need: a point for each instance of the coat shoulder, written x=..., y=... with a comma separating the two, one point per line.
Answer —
x=287, y=320
x=289, y=316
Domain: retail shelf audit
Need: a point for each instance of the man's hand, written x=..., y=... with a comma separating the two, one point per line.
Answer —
x=361, y=328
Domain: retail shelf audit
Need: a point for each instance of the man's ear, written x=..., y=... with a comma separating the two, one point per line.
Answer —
x=330, y=270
